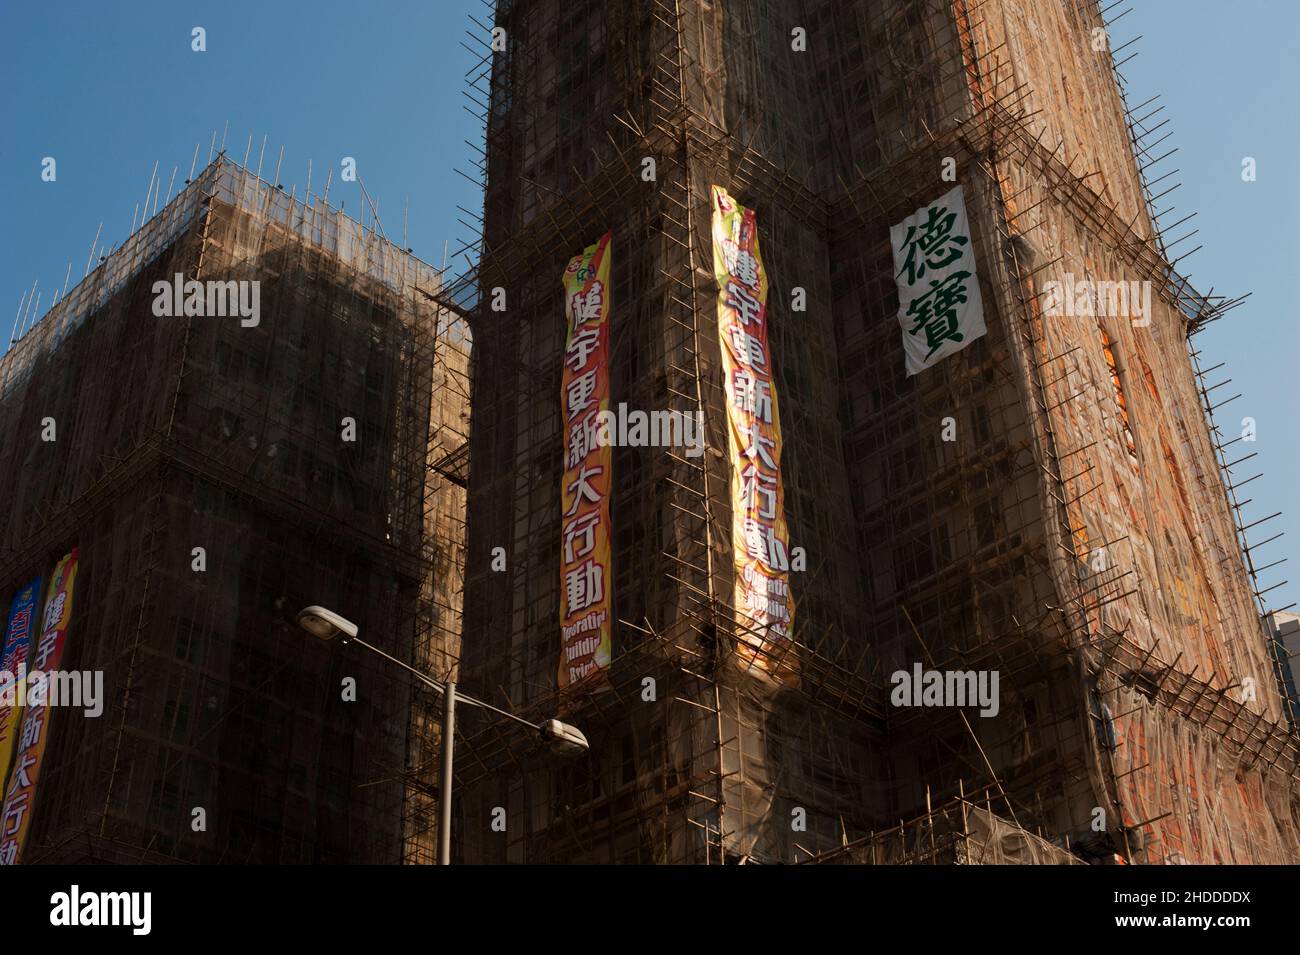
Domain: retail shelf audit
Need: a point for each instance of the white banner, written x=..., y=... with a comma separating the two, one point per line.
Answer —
x=939, y=304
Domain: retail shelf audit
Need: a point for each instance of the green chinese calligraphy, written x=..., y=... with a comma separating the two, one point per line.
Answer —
x=936, y=311
x=935, y=247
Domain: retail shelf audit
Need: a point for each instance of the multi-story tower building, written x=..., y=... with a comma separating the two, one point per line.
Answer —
x=1045, y=503
x=219, y=470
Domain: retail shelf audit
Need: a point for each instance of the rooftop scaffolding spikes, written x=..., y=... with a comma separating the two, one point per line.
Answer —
x=177, y=429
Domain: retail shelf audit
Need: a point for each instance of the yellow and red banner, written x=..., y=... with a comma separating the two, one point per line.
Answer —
x=20, y=794
x=760, y=538
x=586, y=575
x=13, y=670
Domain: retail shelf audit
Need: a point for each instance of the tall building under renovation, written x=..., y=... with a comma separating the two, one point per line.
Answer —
x=1016, y=480
x=250, y=406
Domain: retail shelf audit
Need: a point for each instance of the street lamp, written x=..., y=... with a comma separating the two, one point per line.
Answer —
x=561, y=738
x=326, y=624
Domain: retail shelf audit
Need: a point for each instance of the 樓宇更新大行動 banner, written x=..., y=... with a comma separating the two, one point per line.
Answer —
x=760, y=536
x=586, y=577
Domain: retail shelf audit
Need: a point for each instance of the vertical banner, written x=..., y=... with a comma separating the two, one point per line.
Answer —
x=939, y=303
x=586, y=578
x=760, y=538
x=13, y=668
x=20, y=794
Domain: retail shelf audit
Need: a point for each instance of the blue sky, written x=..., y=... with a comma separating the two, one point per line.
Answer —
x=1228, y=75
x=108, y=89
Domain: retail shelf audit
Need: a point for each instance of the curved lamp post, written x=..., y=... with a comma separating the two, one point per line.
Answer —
x=561, y=738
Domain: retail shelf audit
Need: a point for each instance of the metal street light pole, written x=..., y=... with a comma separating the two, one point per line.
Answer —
x=444, y=787
x=563, y=739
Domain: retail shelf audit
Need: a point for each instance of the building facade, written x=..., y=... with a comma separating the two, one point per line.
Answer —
x=219, y=470
x=1284, y=625
x=1045, y=504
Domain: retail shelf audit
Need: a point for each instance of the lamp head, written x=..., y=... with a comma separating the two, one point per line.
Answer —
x=326, y=624
x=563, y=739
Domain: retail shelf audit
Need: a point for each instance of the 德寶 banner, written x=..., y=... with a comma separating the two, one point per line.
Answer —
x=939, y=303
x=760, y=537
x=586, y=576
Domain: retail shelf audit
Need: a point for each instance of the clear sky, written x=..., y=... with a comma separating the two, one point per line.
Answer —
x=110, y=88
x=1228, y=75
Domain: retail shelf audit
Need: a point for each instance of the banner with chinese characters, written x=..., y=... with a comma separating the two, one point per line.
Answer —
x=760, y=538
x=20, y=793
x=18, y=637
x=939, y=304
x=586, y=577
